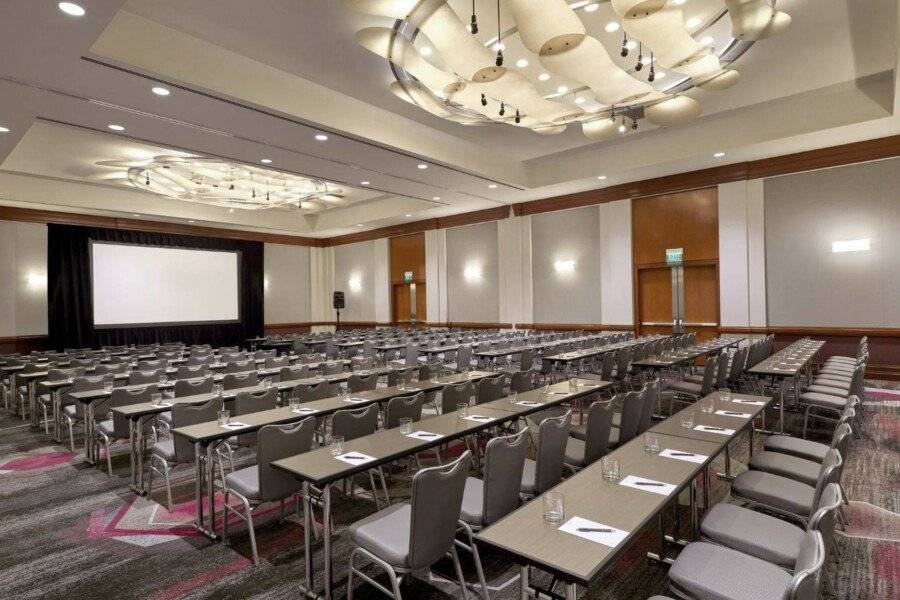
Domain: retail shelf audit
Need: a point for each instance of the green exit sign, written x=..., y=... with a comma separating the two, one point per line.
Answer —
x=674, y=256
x=408, y=276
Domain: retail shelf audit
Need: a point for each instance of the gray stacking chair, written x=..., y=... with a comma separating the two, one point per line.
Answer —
x=546, y=470
x=770, y=538
x=463, y=359
x=203, y=359
x=151, y=365
x=403, y=406
x=184, y=387
x=73, y=412
x=807, y=449
x=233, y=381
x=454, y=394
x=736, y=370
x=650, y=395
x=331, y=368
x=627, y=422
x=393, y=378
x=799, y=469
x=409, y=537
x=243, y=366
x=227, y=357
x=179, y=450
x=623, y=359
x=273, y=362
x=191, y=372
x=522, y=381
x=251, y=402
x=355, y=423
x=112, y=369
x=783, y=496
x=265, y=354
x=146, y=377
x=361, y=363
x=262, y=482
x=362, y=383
x=486, y=501
x=820, y=402
x=117, y=427
x=294, y=373
x=709, y=571
x=607, y=364
x=46, y=400
x=489, y=389
x=582, y=452
x=318, y=391
x=687, y=392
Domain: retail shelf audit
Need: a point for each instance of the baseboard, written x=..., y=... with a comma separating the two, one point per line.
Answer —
x=23, y=343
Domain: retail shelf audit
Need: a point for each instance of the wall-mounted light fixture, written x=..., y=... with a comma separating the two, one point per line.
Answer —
x=36, y=280
x=355, y=283
x=861, y=245
x=265, y=283
x=472, y=272
x=564, y=266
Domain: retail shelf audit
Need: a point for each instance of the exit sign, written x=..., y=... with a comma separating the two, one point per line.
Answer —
x=674, y=256
x=408, y=276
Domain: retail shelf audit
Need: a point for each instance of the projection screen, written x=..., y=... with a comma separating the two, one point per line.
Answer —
x=142, y=286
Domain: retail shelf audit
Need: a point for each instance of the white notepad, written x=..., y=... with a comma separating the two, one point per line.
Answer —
x=303, y=411
x=234, y=425
x=728, y=413
x=355, y=400
x=611, y=538
x=529, y=403
x=694, y=458
x=424, y=435
x=712, y=429
x=748, y=402
x=479, y=418
x=355, y=458
x=633, y=481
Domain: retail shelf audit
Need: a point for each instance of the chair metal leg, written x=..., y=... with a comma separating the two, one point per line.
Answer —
x=459, y=573
x=249, y=518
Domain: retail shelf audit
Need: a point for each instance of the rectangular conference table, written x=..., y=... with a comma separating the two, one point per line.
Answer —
x=530, y=541
x=674, y=357
x=320, y=469
x=788, y=363
x=207, y=435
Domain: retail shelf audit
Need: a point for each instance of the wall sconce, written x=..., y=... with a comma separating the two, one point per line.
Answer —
x=36, y=280
x=472, y=272
x=265, y=283
x=355, y=283
x=861, y=245
x=564, y=266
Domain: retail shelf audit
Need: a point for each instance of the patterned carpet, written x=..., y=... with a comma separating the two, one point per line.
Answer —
x=69, y=531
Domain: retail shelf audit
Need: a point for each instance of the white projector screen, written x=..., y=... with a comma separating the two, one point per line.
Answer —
x=141, y=286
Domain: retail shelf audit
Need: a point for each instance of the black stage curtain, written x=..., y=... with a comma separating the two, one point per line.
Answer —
x=70, y=305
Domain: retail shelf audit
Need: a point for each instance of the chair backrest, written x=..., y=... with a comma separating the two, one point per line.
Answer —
x=526, y=360
x=522, y=381
x=140, y=377
x=294, y=373
x=393, y=377
x=331, y=368
x=623, y=357
x=708, y=372
x=596, y=432
x=808, y=569
x=362, y=383
x=187, y=414
x=738, y=362
x=358, y=363
x=460, y=393
x=463, y=357
x=275, y=442
x=234, y=381
x=318, y=391
x=504, y=459
x=277, y=361
x=204, y=359
x=265, y=354
x=824, y=518
x=632, y=409
x=191, y=371
x=151, y=365
x=403, y=406
x=186, y=387
x=722, y=371
x=227, y=357
x=490, y=388
x=842, y=433
x=242, y=366
x=436, y=501
x=124, y=397
x=62, y=374
x=251, y=402
x=650, y=396
x=606, y=368
x=858, y=381
x=553, y=434
x=829, y=472
x=425, y=372
x=354, y=423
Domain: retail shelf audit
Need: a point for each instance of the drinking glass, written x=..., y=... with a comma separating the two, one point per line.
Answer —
x=294, y=404
x=406, y=425
x=107, y=386
x=267, y=383
x=687, y=420
x=224, y=416
x=651, y=443
x=707, y=405
x=156, y=399
x=554, y=508
x=218, y=389
x=462, y=410
x=514, y=397
x=573, y=385
x=725, y=395
x=610, y=467
x=337, y=445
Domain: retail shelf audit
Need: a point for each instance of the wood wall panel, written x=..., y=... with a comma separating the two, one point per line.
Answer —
x=701, y=294
x=688, y=220
x=654, y=296
x=407, y=253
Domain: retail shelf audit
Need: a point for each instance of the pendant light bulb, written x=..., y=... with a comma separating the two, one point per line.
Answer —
x=622, y=127
x=624, y=52
x=474, y=24
x=147, y=178
x=499, y=61
x=518, y=118
x=502, y=109
x=483, y=100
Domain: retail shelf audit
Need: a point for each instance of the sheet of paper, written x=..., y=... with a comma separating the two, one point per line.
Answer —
x=748, y=402
x=234, y=425
x=355, y=400
x=303, y=411
x=612, y=538
x=694, y=458
x=355, y=458
x=738, y=415
x=712, y=429
x=656, y=487
x=424, y=435
x=529, y=403
x=479, y=418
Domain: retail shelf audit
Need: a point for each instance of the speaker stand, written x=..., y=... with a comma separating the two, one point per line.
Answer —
x=338, y=326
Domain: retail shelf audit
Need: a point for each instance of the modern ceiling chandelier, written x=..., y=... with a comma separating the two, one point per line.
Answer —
x=217, y=182
x=458, y=76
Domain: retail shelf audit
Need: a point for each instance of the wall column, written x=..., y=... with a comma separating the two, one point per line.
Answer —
x=436, y=275
x=321, y=285
x=514, y=246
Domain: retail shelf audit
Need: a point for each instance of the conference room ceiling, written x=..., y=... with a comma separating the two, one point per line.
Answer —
x=255, y=80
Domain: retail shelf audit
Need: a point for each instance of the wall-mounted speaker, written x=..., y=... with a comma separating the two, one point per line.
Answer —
x=338, y=300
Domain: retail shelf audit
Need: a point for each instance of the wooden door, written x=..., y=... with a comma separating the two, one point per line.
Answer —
x=701, y=300
x=400, y=303
x=654, y=300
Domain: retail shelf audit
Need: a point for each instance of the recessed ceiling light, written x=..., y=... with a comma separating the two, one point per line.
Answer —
x=707, y=40
x=591, y=7
x=321, y=137
x=631, y=44
x=190, y=220
x=425, y=51
x=363, y=183
x=579, y=100
x=265, y=161
x=601, y=177
x=71, y=9
x=115, y=127
x=407, y=215
x=4, y=129
x=435, y=198
x=135, y=214
x=421, y=166
x=612, y=26
x=562, y=89
x=359, y=224
x=161, y=91
x=522, y=63
x=678, y=2
x=493, y=186
x=692, y=22
x=660, y=74
x=544, y=76
x=499, y=46
x=718, y=155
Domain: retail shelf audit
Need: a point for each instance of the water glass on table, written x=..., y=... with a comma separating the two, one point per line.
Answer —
x=156, y=399
x=651, y=443
x=554, y=508
x=224, y=417
x=687, y=420
x=462, y=410
x=405, y=425
x=337, y=445
x=610, y=467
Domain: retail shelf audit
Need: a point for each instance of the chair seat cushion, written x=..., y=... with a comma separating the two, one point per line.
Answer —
x=792, y=446
x=823, y=400
x=245, y=482
x=165, y=449
x=798, y=469
x=473, y=502
x=385, y=534
x=107, y=428
x=165, y=417
x=578, y=432
x=686, y=387
x=69, y=410
x=775, y=491
x=833, y=381
x=753, y=533
x=694, y=378
x=529, y=477
x=710, y=572
x=574, y=452
x=827, y=390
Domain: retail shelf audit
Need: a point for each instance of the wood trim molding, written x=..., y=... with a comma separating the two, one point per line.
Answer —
x=875, y=332
x=573, y=326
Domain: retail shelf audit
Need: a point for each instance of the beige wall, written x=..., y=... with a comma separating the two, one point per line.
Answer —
x=474, y=297
x=23, y=270
x=287, y=291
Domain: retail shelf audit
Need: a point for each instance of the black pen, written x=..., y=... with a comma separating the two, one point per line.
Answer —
x=354, y=457
x=653, y=483
x=735, y=414
x=681, y=454
x=711, y=428
x=428, y=435
x=594, y=530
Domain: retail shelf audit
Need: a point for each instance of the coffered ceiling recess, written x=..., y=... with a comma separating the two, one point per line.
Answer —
x=617, y=62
